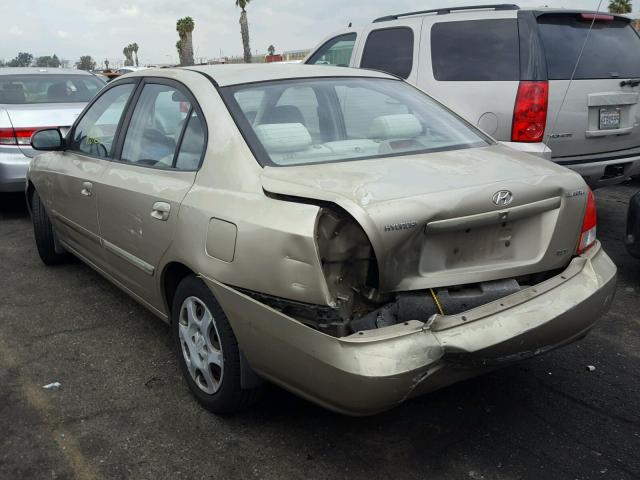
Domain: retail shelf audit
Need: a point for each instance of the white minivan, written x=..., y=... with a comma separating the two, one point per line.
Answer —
x=515, y=73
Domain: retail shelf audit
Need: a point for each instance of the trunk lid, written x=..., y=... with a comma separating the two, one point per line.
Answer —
x=42, y=115
x=431, y=218
x=600, y=112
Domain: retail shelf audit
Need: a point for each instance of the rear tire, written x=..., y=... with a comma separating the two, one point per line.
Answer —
x=44, y=234
x=207, y=350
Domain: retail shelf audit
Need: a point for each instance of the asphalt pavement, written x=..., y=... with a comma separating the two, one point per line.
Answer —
x=123, y=410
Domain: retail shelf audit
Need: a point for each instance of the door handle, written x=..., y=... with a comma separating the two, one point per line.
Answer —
x=160, y=211
x=86, y=189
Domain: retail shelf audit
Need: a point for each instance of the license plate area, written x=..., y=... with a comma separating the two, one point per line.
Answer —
x=609, y=118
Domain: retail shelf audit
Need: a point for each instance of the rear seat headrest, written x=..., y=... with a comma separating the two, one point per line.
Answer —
x=283, y=137
x=385, y=127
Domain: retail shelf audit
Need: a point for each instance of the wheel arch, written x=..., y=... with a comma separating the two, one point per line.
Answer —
x=172, y=274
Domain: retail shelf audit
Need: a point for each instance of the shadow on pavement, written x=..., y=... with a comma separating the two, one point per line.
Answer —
x=13, y=205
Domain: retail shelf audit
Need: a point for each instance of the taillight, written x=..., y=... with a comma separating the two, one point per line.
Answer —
x=598, y=17
x=7, y=137
x=588, y=230
x=530, y=112
x=17, y=136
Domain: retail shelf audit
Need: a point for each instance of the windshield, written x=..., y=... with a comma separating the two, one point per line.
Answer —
x=322, y=120
x=42, y=88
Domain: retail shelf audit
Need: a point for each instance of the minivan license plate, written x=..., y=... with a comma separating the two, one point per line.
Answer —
x=609, y=118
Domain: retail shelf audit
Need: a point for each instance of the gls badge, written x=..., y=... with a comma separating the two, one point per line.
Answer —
x=502, y=198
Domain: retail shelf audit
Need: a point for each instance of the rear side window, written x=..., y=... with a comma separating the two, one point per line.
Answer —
x=336, y=51
x=389, y=50
x=612, y=49
x=475, y=50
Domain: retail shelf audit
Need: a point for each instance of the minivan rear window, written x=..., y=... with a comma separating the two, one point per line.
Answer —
x=612, y=49
x=475, y=50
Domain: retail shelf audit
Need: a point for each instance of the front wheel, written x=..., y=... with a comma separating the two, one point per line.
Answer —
x=50, y=253
x=207, y=349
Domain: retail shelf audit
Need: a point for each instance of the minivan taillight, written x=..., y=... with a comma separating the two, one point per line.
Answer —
x=530, y=112
x=588, y=230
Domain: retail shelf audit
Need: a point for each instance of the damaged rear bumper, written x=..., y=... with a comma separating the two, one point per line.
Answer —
x=377, y=369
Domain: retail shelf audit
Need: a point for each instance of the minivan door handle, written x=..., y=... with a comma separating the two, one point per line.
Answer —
x=86, y=189
x=160, y=211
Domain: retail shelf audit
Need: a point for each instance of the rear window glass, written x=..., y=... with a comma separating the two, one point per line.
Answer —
x=612, y=49
x=389, y=50
x=324, y=120
x=476, y=50
x=21, y=89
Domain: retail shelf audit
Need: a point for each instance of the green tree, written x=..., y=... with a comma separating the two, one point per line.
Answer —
x=134, y=49
x=86, y=63
x=48, y=61
x=244, y=29
x=620, y=6
x=106, y=64
x=271, y=50
x=23, y=59
x=185, y=27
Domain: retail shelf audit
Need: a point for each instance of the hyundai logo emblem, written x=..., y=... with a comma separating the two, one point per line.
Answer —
x=502, y=198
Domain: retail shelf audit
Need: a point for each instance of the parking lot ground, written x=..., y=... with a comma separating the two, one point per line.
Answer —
x=123, y=410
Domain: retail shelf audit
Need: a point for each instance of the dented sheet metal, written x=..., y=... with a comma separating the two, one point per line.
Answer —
x=374, y=370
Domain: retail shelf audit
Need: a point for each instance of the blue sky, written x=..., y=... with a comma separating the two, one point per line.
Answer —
x=71, y=28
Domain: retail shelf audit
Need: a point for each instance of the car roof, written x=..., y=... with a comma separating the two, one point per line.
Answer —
x=483, y=12
x=235, y=74
x=41, y=71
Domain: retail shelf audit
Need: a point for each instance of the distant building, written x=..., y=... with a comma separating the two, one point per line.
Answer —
x=295, y=54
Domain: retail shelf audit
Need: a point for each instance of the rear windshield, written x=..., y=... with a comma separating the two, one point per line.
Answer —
x=475, y=50
x=41, y=88
x=297, y=122
x=612, y=49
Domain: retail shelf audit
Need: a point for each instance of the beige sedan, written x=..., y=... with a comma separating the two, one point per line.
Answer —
x=334, y=231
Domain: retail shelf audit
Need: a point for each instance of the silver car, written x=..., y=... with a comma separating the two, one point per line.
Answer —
x=33, y=98
x=512, y=72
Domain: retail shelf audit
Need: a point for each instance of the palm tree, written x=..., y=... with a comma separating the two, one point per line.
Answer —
x=620, y=6
x=185, y=27
x=244, y=29
x=106, y=64
x=127, y=54
x=134, y=49
x=271, y=50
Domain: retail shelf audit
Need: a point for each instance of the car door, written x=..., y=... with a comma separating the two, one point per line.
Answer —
x=75, y=172
x=139, y=194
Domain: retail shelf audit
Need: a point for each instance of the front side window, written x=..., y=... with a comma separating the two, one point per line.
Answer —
x=48, y=88
x=96, y=130
x=475, y=50
x=156, y=125
x=336, y=51
x=389, y=50
x=342, y=119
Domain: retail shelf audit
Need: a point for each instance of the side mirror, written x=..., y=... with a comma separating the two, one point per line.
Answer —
x=47, y=139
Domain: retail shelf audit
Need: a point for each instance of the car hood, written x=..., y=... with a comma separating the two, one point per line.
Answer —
x=431, y=218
